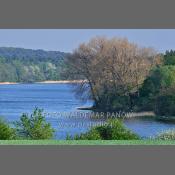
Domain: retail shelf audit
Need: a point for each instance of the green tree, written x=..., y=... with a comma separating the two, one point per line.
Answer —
x=161, y=77
x=34, y=126
x=157, y=92
x=169, y=58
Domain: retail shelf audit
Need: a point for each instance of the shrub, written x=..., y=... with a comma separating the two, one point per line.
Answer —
x=167, y=135
x=34, y=127
x=118, y=131
x=112, y=130
x=6, y=132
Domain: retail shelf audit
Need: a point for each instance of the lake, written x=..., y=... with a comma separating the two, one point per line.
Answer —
x=60, y=106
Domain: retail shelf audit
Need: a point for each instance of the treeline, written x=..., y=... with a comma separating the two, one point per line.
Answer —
x=124, y=76
x=27, y=65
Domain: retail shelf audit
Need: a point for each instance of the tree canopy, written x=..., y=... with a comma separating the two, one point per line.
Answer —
x=27, y=65
x=114, y=69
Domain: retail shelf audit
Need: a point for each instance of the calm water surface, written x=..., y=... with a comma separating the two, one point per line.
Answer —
x=58, y=101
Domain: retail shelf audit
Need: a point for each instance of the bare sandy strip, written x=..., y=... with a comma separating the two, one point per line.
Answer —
x=48, y=82
x=61, y=81
x=6, y=83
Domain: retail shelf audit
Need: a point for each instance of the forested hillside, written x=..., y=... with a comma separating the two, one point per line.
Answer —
x=27, y=65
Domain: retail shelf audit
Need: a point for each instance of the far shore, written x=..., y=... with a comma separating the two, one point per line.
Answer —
x=45, y=82
x=4, y=83
x=61, y=81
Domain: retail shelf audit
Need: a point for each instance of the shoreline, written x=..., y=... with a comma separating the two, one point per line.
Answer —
x=44, y=82
x=61, y=81
x=7, y=83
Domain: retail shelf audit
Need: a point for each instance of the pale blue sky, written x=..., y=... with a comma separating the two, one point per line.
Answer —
x=68, y=39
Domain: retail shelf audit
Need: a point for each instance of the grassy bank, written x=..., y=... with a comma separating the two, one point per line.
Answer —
x=86, y=142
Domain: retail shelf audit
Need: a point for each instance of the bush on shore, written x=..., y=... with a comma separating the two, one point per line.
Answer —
x=6, y=132
x=112, y=130
x=34, y=127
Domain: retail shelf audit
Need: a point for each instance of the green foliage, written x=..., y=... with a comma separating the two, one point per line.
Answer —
x=167, y=135
x=6, y=132
x=121, y=103
x=34, y=127
x=91, y=135
x=157, y=91
x=169, y=58
x=161, y=77
x=27, y=65
x=112, y=130
x=165, y=104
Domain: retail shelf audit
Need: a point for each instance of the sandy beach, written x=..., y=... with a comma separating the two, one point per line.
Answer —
x=62, y=81
x=5, y=83
x=46, y=82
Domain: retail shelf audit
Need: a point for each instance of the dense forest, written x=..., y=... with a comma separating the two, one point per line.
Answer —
x=27, y=65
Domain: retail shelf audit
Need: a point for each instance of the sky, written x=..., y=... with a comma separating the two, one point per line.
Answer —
x=66, y=40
